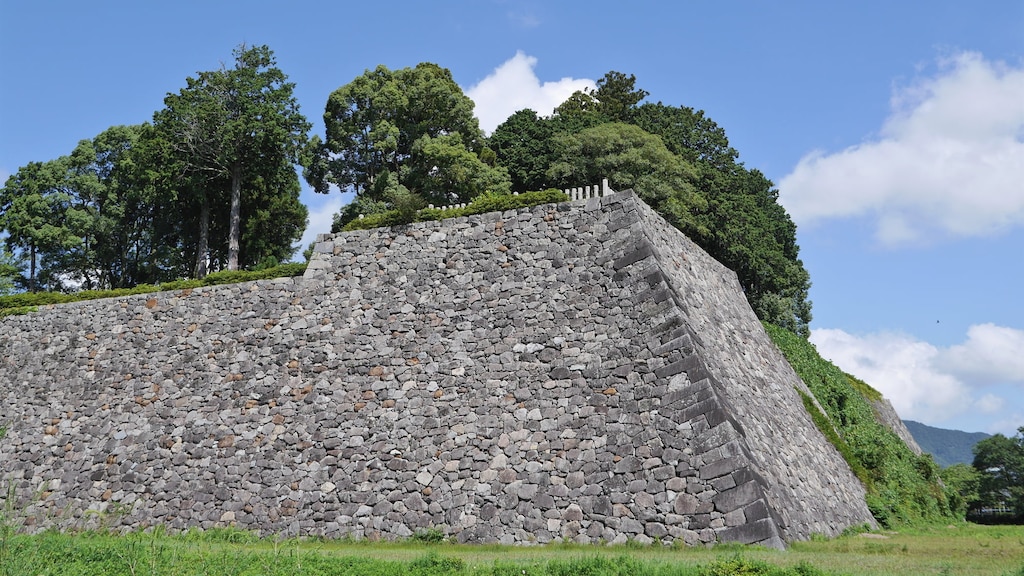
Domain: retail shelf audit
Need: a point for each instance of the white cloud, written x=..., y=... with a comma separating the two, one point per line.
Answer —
x=989, y=404
x=898, y=366
x=513, y=86
x=949, y=159
x=991, y=354
x=934, y=385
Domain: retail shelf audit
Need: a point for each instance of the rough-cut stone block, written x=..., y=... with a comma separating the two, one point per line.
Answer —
x=759, y=531
x=636, y=255
x=734, y=498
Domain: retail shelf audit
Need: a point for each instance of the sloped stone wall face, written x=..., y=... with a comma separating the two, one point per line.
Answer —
x=577, y=371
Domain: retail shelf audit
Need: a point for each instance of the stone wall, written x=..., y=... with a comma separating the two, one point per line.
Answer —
x=579, y=371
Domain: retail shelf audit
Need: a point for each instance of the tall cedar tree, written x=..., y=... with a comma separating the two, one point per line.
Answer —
x=231, y=128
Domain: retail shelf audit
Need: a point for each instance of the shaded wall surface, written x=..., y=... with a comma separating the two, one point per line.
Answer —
x=578, y=370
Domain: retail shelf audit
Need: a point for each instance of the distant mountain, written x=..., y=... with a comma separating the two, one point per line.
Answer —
x=948, y=447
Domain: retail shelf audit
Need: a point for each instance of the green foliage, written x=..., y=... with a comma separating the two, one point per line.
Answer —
x=740, y=566
x=902, y=488
x=962, y=483
x=407, y=133
x=864, y=389
x=481, y=205
x=681, y=163
x=28, y=302
x=227, y=535
x=824, y=424
x=431, y=535
x=596, y=566
x=39, y=216
x=230, y=135
x=613, y=99
x=959, y=549
x=434, y=563
x=1000, y=462
x=631, y=157
x=9, y=272
x=523, y=145
x=152, y=203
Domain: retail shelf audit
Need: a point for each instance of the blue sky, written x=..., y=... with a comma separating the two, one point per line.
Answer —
x=895, y=131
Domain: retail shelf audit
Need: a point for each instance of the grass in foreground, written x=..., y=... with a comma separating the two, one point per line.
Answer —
x=955, y=550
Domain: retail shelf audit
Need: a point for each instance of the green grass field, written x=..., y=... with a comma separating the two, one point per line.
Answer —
x=964, y=549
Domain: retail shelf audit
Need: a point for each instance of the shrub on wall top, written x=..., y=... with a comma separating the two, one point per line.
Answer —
x=480, y=205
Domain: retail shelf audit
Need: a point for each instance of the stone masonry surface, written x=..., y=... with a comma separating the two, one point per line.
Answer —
x=575, y=371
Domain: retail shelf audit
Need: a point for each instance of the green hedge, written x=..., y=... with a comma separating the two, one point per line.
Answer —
x=480, y=205
x=902, y=487
x=30, y=301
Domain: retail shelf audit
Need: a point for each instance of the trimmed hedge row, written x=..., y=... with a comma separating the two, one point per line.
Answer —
x=480, y=205
x=30, y=301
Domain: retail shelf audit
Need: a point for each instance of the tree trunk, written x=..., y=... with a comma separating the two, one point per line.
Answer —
x=32, y=268
x=236, y=208
x=202, y=251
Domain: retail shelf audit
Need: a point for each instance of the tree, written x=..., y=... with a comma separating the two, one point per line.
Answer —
x=962, y=483
x=745, y=227
x=34, y=214
x=631, y=158
x=613, y=99
x=525, y=142
x=688, y=133
x=114, y=211
x=617, y=96
x=523, y=145
x=395, y=134
x=1000, y=461
x=732, y=212
x=10, y=269
x=747, y=230
x=230, y=128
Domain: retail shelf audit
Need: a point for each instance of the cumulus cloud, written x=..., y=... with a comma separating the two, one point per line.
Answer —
x=949, y=160
x=513, y=86
x=991, y=354
x=932, y=384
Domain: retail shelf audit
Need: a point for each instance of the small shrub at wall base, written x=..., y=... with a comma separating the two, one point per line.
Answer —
x=428, y=536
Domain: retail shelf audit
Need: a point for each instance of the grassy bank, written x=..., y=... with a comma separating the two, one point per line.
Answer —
x=903, y=489
x=964, y=549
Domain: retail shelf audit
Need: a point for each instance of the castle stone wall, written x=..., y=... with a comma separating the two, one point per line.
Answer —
x=579, y=371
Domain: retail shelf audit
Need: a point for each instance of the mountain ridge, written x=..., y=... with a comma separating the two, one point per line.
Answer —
x=947, y=446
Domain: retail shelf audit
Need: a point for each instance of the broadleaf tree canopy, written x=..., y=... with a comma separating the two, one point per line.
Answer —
x=730, y=210
x=401, y=137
